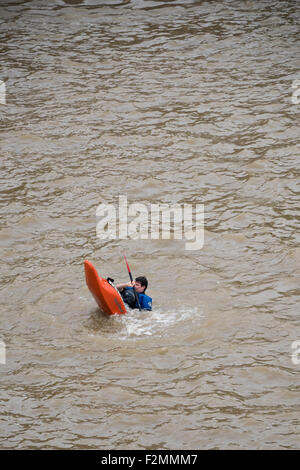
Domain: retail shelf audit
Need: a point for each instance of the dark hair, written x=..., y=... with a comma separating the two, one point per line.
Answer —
x=143, y=281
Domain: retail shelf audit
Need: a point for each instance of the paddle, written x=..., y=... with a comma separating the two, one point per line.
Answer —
x=135, y=292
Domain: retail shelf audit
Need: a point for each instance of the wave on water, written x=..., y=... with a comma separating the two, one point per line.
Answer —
x=135, y=324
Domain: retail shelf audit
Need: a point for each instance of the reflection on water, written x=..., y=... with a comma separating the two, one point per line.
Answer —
x=166, y=102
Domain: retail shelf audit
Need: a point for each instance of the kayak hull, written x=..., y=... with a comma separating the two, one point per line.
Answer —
x=106, y=296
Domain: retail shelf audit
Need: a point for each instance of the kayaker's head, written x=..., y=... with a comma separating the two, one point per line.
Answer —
x=141, y=284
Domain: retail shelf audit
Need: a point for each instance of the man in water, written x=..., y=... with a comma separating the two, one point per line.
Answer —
x=140, y=284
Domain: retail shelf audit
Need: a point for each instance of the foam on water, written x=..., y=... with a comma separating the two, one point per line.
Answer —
x=155, y=323
x=138, y=325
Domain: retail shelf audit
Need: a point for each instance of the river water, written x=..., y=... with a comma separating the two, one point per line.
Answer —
x=161, y=102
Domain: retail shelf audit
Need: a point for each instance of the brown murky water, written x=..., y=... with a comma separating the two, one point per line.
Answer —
x=175, y=102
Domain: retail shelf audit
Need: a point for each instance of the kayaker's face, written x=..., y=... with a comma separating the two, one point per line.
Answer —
x=139, y=288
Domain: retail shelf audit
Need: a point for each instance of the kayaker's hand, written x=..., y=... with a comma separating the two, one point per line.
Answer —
x=122, y=286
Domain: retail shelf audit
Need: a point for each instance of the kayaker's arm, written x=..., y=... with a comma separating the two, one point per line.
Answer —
x=122, y=286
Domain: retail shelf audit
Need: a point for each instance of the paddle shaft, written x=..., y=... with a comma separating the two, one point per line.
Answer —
x=131, y=279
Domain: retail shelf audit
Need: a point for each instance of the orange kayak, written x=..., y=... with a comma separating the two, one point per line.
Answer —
x=107, y=296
